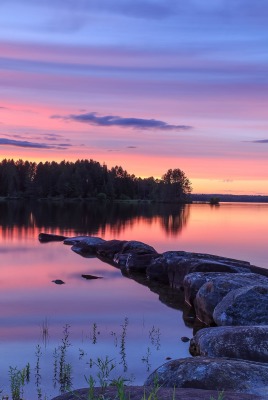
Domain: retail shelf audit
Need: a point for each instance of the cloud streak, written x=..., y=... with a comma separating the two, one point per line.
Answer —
x=260, y=141
x=33, y=145
x=114, y=120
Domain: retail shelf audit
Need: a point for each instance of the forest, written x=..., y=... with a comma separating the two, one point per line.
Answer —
x=88, y=179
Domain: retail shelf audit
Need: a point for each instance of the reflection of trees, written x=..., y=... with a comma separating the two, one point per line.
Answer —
x=89, y=217
x=174, y=222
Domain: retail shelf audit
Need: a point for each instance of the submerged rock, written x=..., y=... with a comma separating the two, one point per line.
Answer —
x=244, y=306
x=185, y=339
x=213, y=374
x=91, y=276
x=108, y=249
x=238, y=296
x=58, y=282
x=85, y=246
x=89, y=240
x=49, y=237
x=242, y=342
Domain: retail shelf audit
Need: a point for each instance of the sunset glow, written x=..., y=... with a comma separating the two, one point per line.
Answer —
x=150, y=86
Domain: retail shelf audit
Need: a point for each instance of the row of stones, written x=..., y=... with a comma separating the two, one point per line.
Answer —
x=221, y=291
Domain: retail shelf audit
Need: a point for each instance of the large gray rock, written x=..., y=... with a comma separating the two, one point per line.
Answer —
x=138, y=262
x=86, y=246
x=135, y=256
x=245, y=306
x=193, y=282
x=240, y=342
x=108, y=249
x=171, y=267
x=83, y=239
x=259, y=270
x=212, y=292
x=138, y=247
x=213, y=374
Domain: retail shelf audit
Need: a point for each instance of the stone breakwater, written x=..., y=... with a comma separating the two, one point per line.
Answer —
x=223, y=299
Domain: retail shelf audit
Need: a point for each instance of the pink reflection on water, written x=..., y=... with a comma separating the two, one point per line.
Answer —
x=236, y=230
x=29, y=297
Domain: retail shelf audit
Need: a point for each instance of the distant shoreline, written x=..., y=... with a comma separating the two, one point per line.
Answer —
x=193, y=198
x=225, y=198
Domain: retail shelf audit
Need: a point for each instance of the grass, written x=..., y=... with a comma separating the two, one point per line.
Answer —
x=103, y=371
x=37, y=369
x=154, y=336
x=220, y=396
x=146, y=359
x=18, y=379
x=123, y=344
x=101, y=374
x=153, y=394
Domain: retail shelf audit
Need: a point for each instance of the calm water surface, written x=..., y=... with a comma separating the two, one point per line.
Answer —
x=97, y=310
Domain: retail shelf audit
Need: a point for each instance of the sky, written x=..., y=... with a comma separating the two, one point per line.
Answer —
x=148, y=85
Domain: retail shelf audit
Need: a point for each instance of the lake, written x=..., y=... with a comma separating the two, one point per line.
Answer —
x=114, y=318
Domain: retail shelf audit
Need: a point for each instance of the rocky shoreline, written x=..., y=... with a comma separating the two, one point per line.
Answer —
x=164, y=393
x=227, y=298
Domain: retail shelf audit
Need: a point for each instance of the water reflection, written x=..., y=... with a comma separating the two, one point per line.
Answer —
x=172, y=298
x=30, y=301
x=90, y=218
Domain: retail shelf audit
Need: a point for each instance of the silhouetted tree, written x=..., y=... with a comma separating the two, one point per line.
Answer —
x=176, y=185
x=85, y=179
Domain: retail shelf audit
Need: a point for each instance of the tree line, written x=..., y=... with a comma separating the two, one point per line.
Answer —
x=87, y=179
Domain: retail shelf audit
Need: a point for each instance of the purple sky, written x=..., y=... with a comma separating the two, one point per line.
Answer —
x=148, y=85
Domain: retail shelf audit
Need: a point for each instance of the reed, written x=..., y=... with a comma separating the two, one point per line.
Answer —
x=146, y=359
x=38, y=378
x=103, y=370
x=123, y=344
x=220, y=396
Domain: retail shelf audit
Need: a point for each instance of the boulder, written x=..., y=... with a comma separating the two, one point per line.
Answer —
x=49, y=237
x=189, y=317
x=213, y=374
x=90, y=277
x=135, y=256
x=258, y=270
x=172, y=266
x=212, y=292
x=83, y=239
x=240, y=342
x=58, y=282
x=85, y=246
x=244, y=306
x=109, y=248
x=138, y=247
x=136, y=262
x=193, y=282
x=121, y=259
